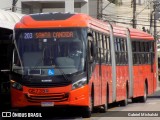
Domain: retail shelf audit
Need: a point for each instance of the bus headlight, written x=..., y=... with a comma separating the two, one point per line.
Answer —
x=79, y=83
x=16, y=85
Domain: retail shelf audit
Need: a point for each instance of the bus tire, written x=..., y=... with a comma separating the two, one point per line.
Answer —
x=92, y=108
x=86, y=112
x=143, y=99
x=104, y=108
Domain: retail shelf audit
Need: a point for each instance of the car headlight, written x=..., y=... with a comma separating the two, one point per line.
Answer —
x=16, y=85
x=79, y=83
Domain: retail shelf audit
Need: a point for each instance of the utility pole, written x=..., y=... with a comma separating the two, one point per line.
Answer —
x=14, y=5
x=155, y=24
x=134, y=13
x=154, y=17
x=99, y=9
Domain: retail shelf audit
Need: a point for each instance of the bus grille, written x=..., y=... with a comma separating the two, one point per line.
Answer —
x=54, y=97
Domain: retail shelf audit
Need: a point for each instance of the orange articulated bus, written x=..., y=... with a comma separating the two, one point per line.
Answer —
x=64, y=59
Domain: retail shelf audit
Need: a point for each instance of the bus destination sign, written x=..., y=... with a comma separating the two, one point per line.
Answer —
x=38, y=35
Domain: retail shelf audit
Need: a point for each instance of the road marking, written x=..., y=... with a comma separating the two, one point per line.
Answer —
x=152, y=103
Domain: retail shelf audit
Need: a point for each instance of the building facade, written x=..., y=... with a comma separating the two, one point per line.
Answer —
x=119, y=12
x=91, y=7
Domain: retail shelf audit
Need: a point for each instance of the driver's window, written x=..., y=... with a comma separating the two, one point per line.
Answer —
x=76, y=52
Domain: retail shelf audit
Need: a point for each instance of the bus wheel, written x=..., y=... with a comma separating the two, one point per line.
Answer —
x=86, y=112
x=144, y=98
x=104, y=108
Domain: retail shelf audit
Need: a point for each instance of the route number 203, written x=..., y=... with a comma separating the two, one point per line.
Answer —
x=28, y=35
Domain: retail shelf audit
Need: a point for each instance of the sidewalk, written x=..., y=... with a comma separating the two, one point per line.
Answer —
x=156, y=94
x=158, y=87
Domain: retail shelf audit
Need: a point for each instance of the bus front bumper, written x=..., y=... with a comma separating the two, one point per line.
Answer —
x=61, y=96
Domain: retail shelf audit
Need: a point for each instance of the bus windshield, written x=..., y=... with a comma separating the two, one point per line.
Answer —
x=50, y=51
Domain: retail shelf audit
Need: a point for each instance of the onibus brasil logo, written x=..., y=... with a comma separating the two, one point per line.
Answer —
x=14, y=114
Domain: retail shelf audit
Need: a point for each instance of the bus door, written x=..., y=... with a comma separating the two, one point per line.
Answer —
x=91, y=65
x=94, y=67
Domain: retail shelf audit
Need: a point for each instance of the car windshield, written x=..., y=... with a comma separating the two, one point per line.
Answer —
x=48, y=52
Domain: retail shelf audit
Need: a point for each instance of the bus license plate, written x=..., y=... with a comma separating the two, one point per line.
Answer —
x=47, y=104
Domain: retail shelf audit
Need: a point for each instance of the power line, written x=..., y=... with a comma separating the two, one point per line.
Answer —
x=129, y=23
x=126, y=18
x=144, y=8
x=107, y=5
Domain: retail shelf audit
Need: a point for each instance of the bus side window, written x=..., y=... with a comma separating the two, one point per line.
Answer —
x=98, y=46
x=91, y=48
x=135, y=52
x=152, y=52
x=117, y=50
x=104, y=47
x=125, y=51
x=122, y=51
x=108, y=50
x=158, y=63
x=101, y=47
